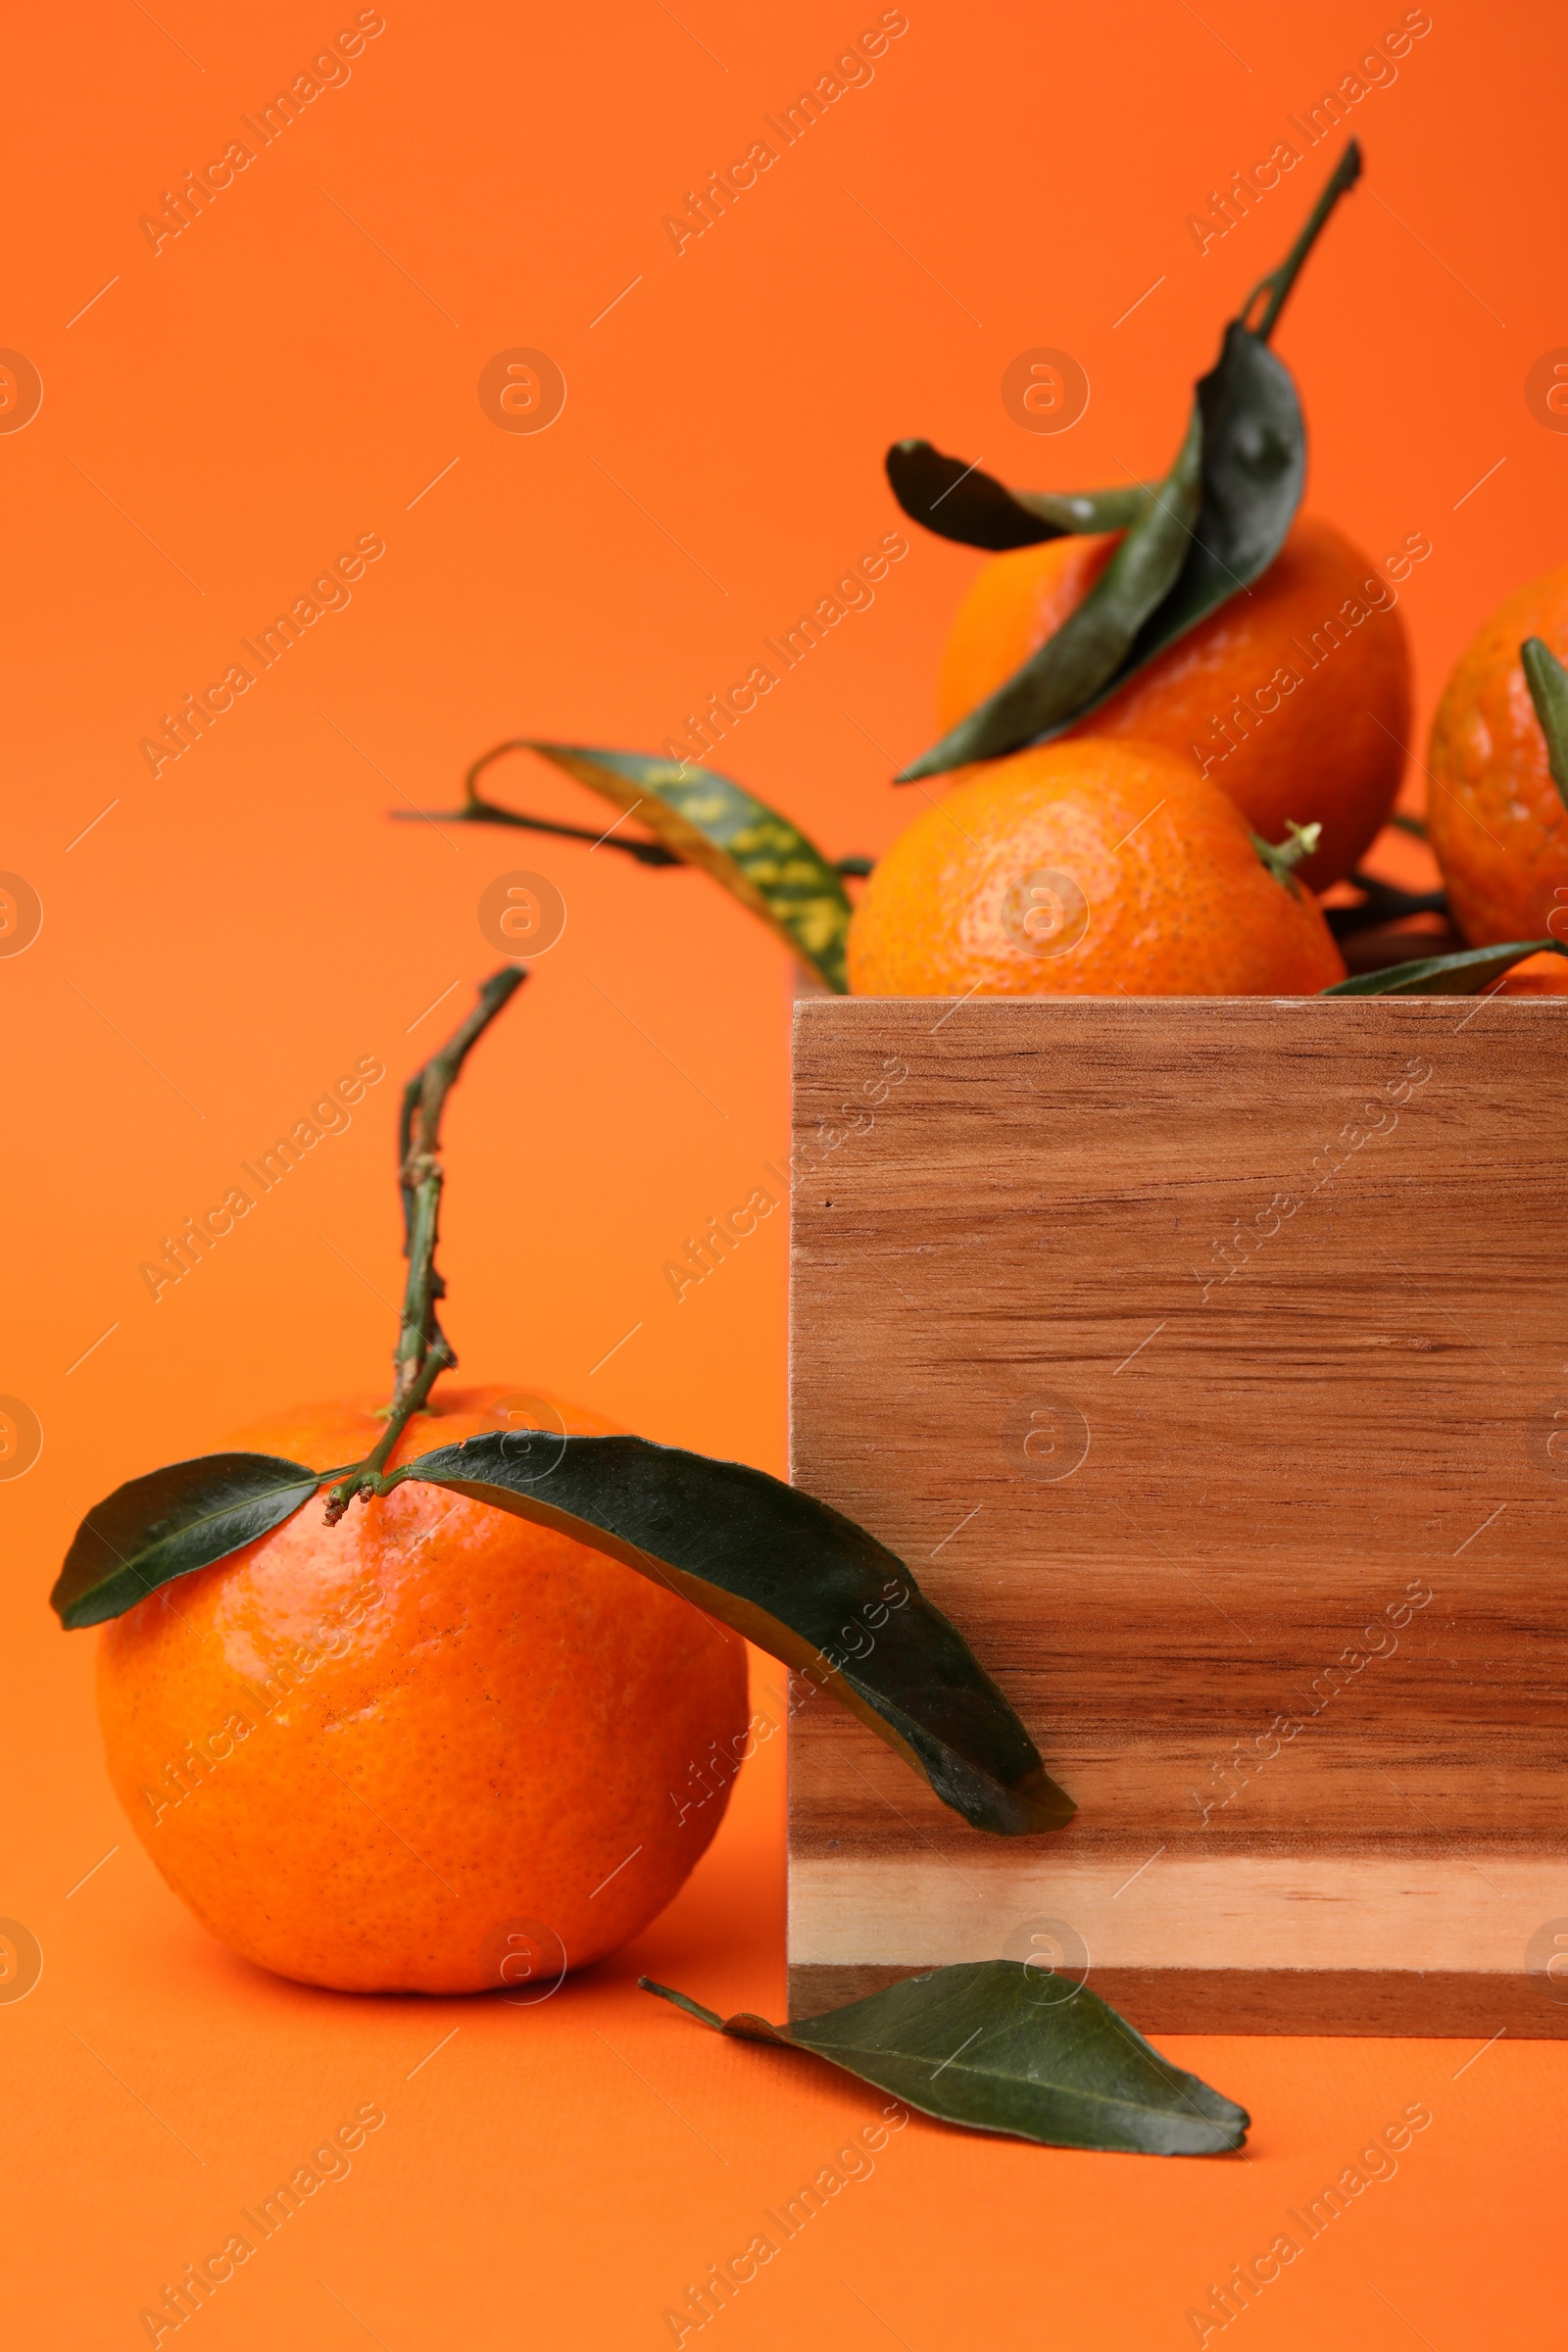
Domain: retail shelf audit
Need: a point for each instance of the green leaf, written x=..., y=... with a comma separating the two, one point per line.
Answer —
x=714, y=823
x=1465, y=975
x=994, y=2046
x=793, y=1576
x=1248, y=446
x=1065, y=673
x=1254, y=470
x=1381, y=903
x=171, y=1522
x=959, y=502
x=1547, y=681
x=1251, y=471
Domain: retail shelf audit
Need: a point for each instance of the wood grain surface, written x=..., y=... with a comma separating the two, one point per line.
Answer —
x=1207, y=1362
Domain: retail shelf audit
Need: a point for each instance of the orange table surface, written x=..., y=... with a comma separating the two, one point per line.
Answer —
x=564, y=2173
x=193, y=427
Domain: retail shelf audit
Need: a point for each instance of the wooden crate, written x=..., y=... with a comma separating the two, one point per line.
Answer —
x=1207, y=1362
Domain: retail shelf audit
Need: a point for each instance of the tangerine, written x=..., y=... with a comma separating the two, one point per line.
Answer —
x=1537, y=976
x=431, y=1749
x=1294, y=697
x=1085, y=868
x=1494, y=817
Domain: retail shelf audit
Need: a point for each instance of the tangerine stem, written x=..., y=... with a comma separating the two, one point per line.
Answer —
x=646, y=853
x=420, y=1179
x=1278, y=283
x=366, y=1478
x=423, y=1351
x=486, y=812
x=682, y=2000
x=1282, y=857
x=489, y=813
x=497, y=751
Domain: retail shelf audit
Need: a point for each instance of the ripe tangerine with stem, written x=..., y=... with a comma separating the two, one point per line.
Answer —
x=410, y=1742
x=1087, y=868
x=366, y=1755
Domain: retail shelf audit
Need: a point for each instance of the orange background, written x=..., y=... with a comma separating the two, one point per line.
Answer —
x=293, y=371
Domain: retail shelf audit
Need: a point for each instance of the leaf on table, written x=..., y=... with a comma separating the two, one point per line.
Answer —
x=1464, y=975
x=959, y=502
x=796, y=1579
x=998, y=2046
x=174, y=1520
x=712, y=822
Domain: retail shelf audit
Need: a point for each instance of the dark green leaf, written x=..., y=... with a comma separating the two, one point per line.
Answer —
x=1064, y=674
x=793, y=1576
x=790, y=1574
x=1463, y=976
x=183, y=1517
x=1253, y=465
x=1547, y=681
x=959, y=502
x=712, y=822
x=1250, y=446
x=994, y=2046
x=1254, y=468
x=1383, y=903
